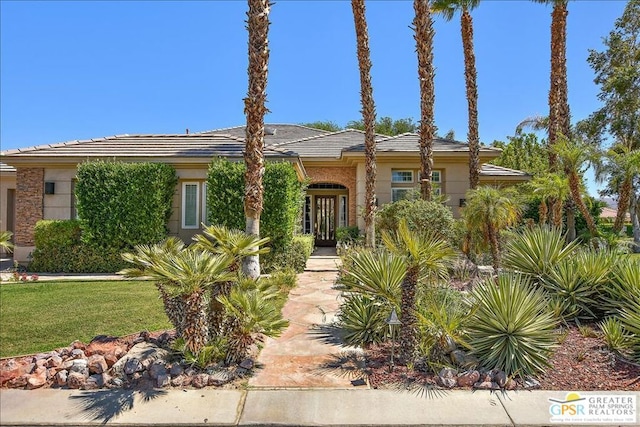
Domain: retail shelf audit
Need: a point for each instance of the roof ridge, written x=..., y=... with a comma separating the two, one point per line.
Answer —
x=309, y=138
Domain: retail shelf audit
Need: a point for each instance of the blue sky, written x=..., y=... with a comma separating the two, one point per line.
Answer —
x=86, y=69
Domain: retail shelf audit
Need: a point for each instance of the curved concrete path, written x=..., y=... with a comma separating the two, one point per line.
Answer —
x=300, y=356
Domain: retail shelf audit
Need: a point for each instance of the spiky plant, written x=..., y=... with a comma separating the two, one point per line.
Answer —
x=511, y=327
x=256, y=314
x=426, y=258
x=5, y=241
x=630, y=318
x=535, y=251
x=362, y=319
x=184, y=276
x=615, y=335
x=625, y=284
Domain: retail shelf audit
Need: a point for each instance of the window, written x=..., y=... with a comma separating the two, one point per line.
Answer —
x=399, y=193
x=342, y=212
x=402, y=176
x=436, y=182
x=190, y=205
x=306, y=222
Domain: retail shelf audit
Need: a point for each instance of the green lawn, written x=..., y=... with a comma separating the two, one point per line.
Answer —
x=43, y=316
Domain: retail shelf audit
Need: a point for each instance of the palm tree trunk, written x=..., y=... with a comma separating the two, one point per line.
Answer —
x=423, y=28
x=571, y=220
x=542, y=212
x=494, y=243
x=574, y=186
x=634, y=210
x=368, y=119
x=196, y=331
x=173, y=308
x=623, y=204
x=408, y=329
x=556, y=214
x=559, y=115
x=470, y=74
x=255, y=109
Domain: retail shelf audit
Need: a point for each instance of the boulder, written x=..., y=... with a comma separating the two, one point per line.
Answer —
x=500, y=378
x=157, y=368
x=80, y=365
x=468, y=378
x=200, y=380
x=54, y=361
x=145, y=353
x=61, y=378
x=94, y=382
x=76, y=380
x=176, y=370
x=486, y=385
x=163, y=380
x=37, y=379
x=97, y=364
x=179, y=381
x=447, y=377
x=12, y=369
x=247, y=364
x=78, y=354
x=132, y=366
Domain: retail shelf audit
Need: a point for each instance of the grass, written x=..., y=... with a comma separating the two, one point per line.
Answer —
x=43, y=316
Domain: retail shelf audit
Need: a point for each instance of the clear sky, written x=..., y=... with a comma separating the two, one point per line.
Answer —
x=86, y=69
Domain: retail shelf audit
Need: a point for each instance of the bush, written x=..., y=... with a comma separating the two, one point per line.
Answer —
x=347, y=234
x=283, y=198
x=511, y=327
x=420, y=215
x=124, y=204
x=60, y=249
x=294, y=256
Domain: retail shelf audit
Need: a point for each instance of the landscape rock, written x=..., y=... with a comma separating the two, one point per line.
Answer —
x=220, y=377
x=97, y=364
x=179, y=381
x=157, y=368
x=19, y=382
x=468, y=378
x=54, y=361
x=200, y=380
x=37, y=379
x=458, y=357
x=486, y=385
x=80, y=365
x=176, y=370
x=12, y=369
x=76, y=380
x=132, y=366
x=77, y=354
x=163, y=380
x=531, y=384
x=94, y=382
x=145, y=353
x=61, y=378
x=447, y=377
x=500, y=378
x=247, y=364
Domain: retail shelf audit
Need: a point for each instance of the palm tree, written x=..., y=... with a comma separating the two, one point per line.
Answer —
x=448, y=8
x=235, y=245
x=489, y=210
x=368, y=118
x=255, y=109
x=573, y=155
x=183, y=276
x=551, y=187
x=426, y=258
x=559, y=115
x=5, y=241
x=423, y=28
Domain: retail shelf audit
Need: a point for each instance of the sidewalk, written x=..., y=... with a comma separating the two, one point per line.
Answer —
x=291, y=387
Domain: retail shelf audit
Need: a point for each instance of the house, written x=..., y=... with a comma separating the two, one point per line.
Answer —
x=333, y=162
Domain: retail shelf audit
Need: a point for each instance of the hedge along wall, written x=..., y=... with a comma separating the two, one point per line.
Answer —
x=283, y=198
x=124, y=204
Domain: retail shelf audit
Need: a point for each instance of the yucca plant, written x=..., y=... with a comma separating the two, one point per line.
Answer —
x=535, y=251
x=5, y=241
x=630, y=318
x=624, y=286
x=577, y=292
x=362, y=319
x=377, y=274
x=255, y=314
x=511, y=327
x=615, y=336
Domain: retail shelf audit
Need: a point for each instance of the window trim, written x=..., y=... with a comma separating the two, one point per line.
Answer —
x=394, y=181
x=184, y=205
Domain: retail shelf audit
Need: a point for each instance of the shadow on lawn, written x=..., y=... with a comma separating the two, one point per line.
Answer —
x=104, y=405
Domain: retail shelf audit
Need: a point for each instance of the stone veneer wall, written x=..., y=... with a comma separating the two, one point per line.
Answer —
x=344, y=176
x=29, y=204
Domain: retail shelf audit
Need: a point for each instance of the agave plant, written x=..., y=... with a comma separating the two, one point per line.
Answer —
x=183, y=276
x=362, y=318
x=625, y=285
x=511, y=327
x=630, y=318
x=535, y=251
x=615, y=335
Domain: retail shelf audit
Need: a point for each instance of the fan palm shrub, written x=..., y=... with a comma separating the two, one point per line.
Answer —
x=183, y=276
x=511, y=327
x=5, y=241
x=535, y=251
x=426, y=259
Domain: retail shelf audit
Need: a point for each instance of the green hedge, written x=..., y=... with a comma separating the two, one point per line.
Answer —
x=294, y=256
x=420, y=215
x=283, y=198
x=124, y=204
x=59, y=249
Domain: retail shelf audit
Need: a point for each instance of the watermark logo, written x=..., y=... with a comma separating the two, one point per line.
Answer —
x=594, y=408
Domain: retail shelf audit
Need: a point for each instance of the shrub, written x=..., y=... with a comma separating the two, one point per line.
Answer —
x=293, y=256
x=420, y=215
x=615, y=336
x=347, y=234
x=511, y=327
x=363, y=320
x=124, y=204
x=283, y=198
x=60, y=249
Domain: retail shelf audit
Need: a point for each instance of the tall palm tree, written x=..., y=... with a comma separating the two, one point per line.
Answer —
x=551, y=187
x=183, y=276
x=426, y=258
x=559, y=114
x=573, y=155
x=368, y=118
x=255, y=110
x=489, y=210
x=423, y=29
x=448, y=8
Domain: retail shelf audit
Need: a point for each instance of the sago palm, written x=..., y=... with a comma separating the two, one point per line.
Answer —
x=425, y=257
x=489, y=210
x=184, y=275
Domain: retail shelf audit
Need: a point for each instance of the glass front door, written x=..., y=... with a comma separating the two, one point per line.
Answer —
x=325, y=220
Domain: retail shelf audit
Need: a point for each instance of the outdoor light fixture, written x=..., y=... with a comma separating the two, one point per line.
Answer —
x=394, y=323
x=49, y=187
